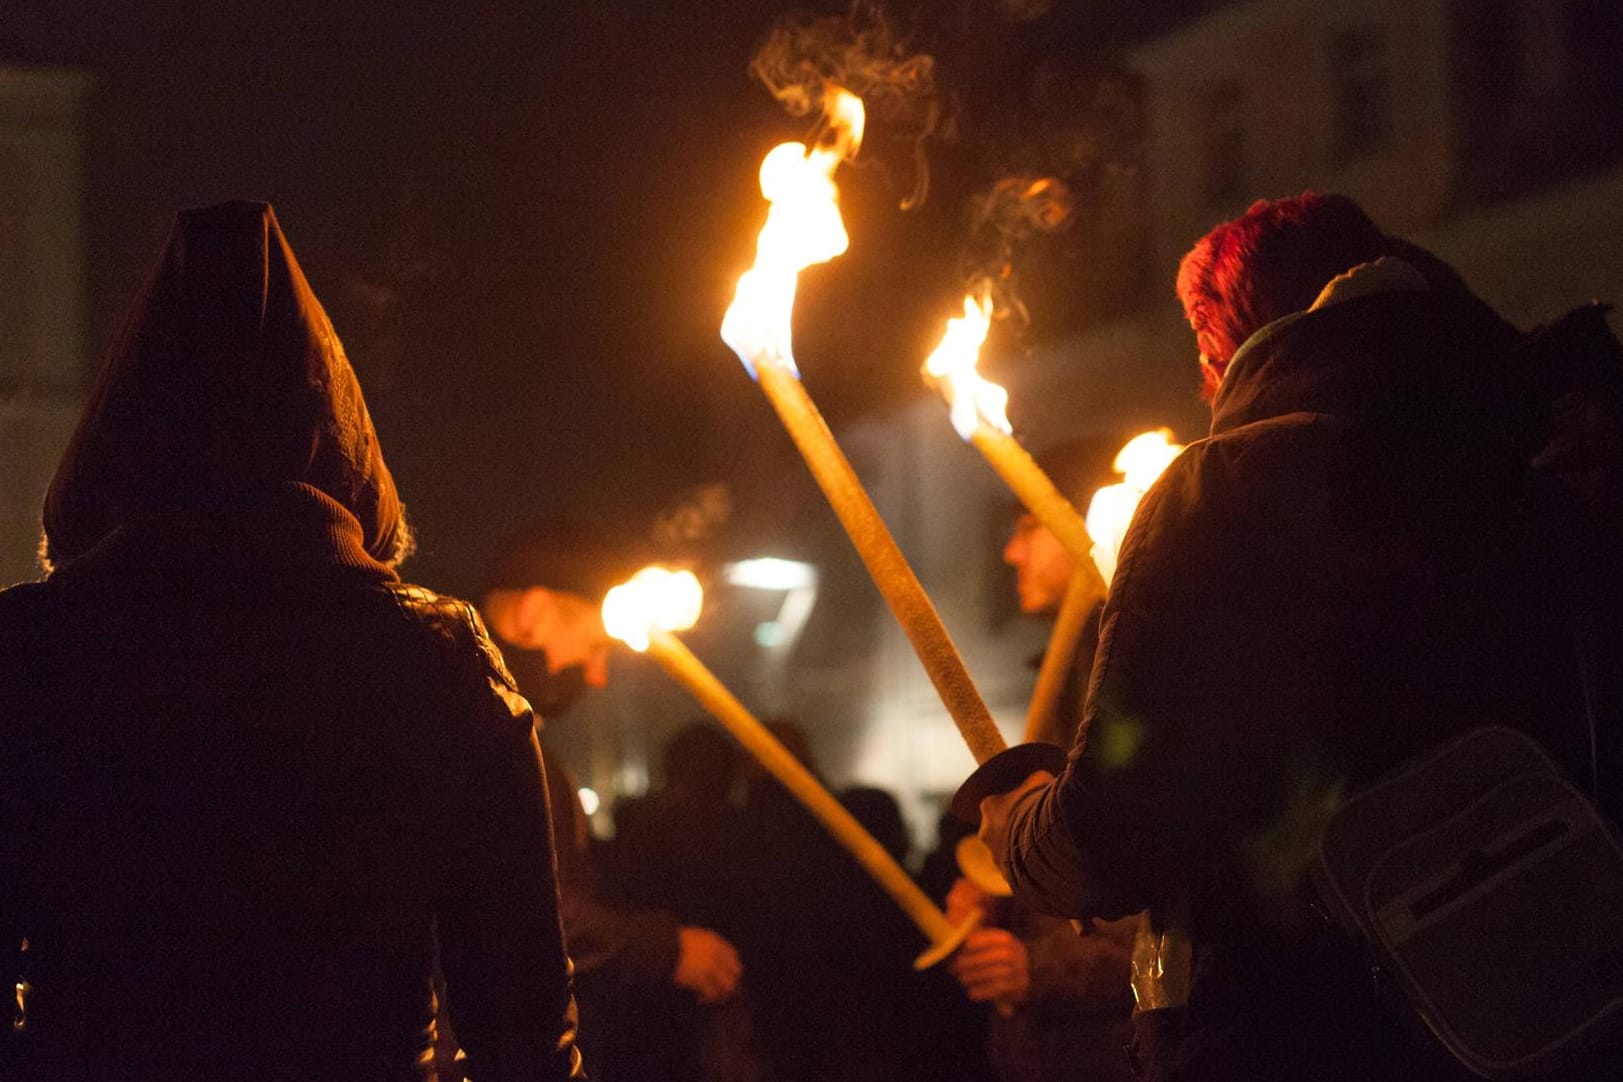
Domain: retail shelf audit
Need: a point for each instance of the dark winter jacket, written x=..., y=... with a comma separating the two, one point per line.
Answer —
x=625, y=955
x=1345, y=573
x=248, y=777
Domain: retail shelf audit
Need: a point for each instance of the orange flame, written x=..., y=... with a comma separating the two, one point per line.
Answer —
x=653, y=599
x=803, y=227
x=952, y=365
x=1110, y=513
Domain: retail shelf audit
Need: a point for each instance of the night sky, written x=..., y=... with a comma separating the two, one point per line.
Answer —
x=526, y=219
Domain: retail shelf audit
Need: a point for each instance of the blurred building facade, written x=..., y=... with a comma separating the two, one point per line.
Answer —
x=1484, y=129
x=42, y=294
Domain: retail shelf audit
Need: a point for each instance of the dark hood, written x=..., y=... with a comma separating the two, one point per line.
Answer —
x=1417, y=360
x=227, y=382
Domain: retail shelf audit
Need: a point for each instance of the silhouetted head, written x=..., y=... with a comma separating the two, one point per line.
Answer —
x=700, y=759
x=226, y=386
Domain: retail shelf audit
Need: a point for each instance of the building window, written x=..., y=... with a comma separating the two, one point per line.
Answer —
x=1361, y=85
x=1224, y=128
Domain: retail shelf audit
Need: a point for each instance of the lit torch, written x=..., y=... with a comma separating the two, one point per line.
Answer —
x=978, y=413
x=1140, y=462
x=1069, y=622
x=643, y=613
x=803, y=227
x=1109, y=514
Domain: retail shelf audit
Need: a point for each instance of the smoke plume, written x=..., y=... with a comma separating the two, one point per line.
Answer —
x=863, y=52
x=1003, y=220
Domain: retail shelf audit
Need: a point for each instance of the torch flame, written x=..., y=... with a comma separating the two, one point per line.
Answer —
x=803, y=227
x=952, y=365
x=1140, y=461
x=653, y=599
x=1143, y=458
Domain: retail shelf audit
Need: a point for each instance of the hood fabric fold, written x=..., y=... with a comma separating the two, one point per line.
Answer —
x=227, y=382
x=1378, y=344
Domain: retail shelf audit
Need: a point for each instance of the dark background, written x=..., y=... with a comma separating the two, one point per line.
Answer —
x=526, y=219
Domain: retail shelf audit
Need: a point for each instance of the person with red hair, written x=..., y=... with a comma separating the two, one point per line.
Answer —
x=1346, y=572
x=1269, y=262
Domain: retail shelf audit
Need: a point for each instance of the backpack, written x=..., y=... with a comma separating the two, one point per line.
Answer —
x=1487, y=886
x=1490, y=891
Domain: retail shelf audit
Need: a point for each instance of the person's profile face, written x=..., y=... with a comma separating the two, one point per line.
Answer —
x=572, y=634
x=1042, y=566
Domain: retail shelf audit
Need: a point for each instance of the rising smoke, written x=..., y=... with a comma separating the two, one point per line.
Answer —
x=863, y=52
x=1003, y=220
x=1053, y=124
x=693, y=520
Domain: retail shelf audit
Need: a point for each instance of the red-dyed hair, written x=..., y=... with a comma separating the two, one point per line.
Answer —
x=1269, y=262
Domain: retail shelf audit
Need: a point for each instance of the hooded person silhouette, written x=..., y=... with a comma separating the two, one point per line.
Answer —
x=227, y=384
x=254, y=788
